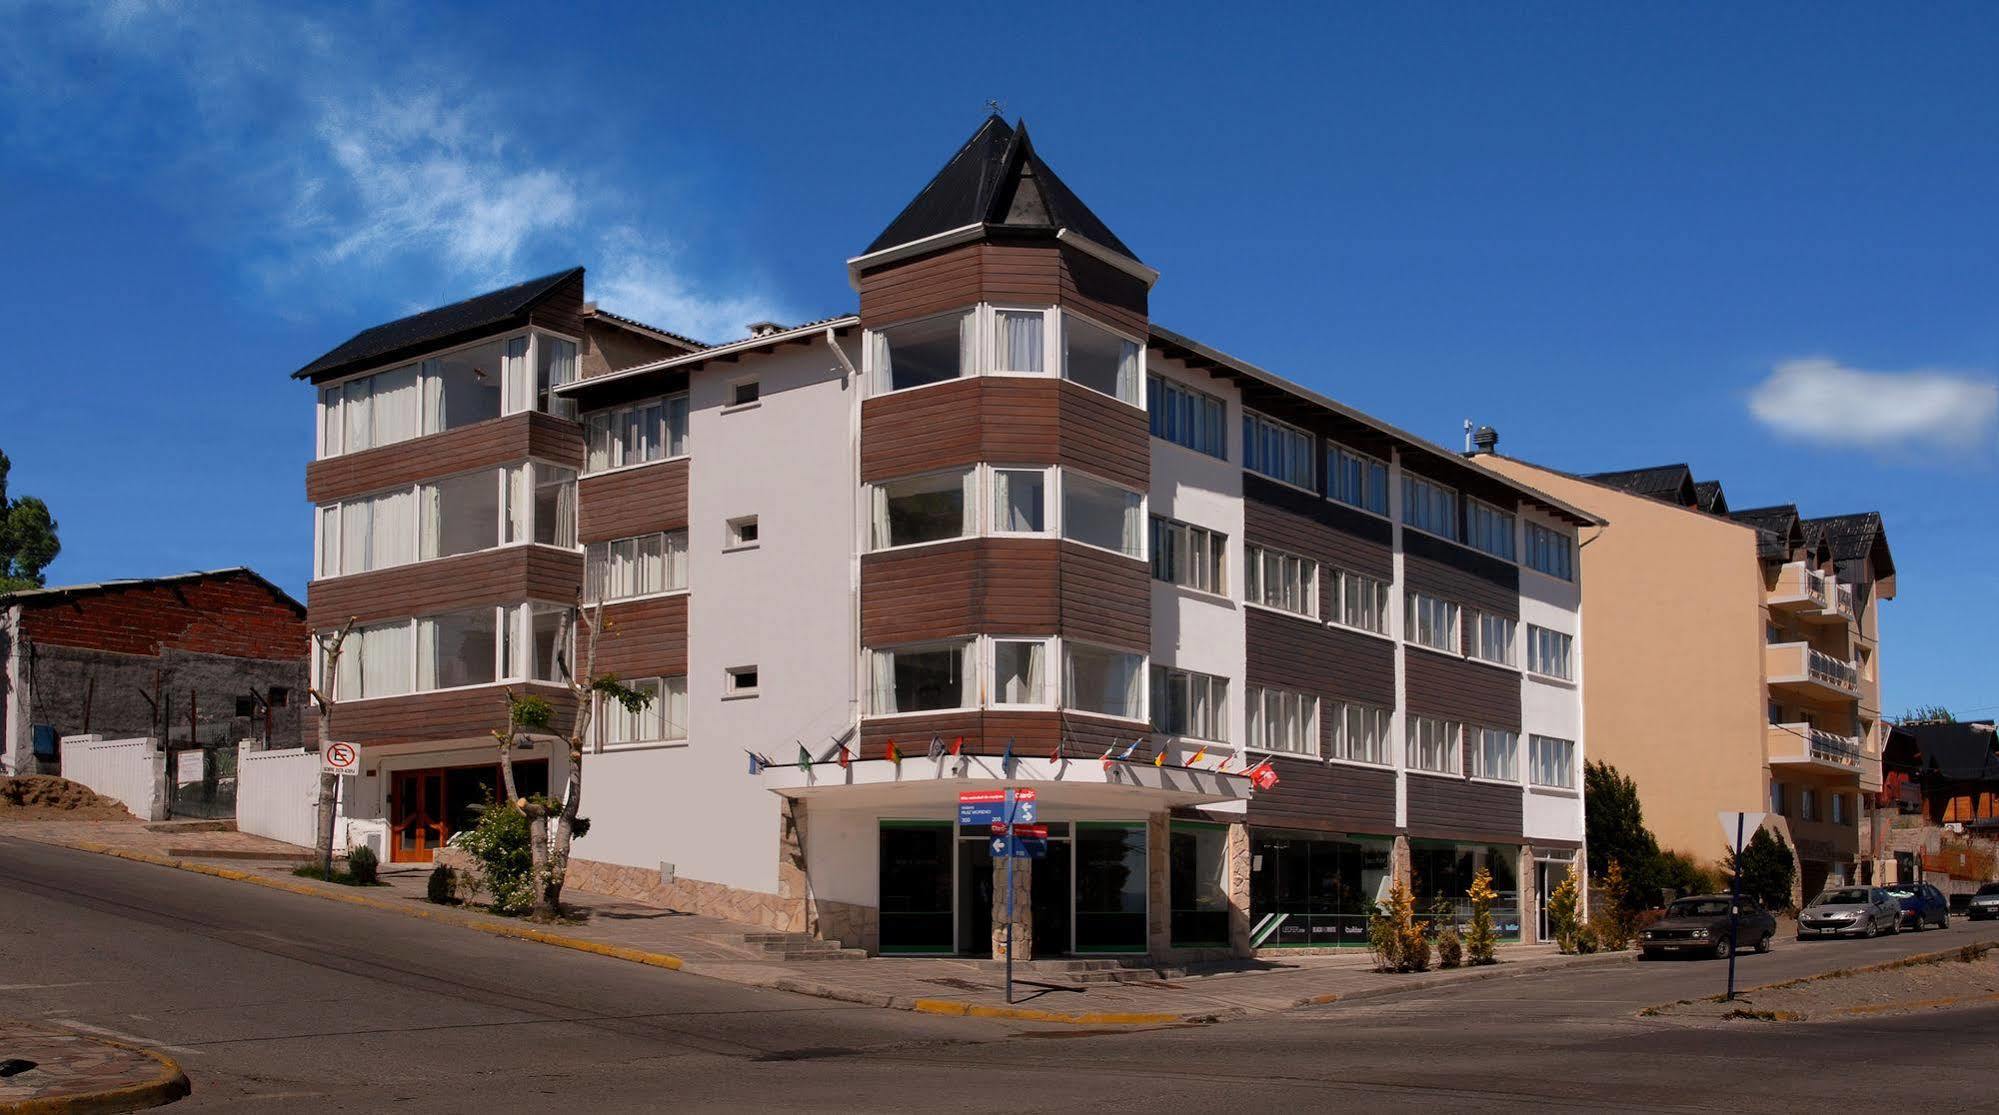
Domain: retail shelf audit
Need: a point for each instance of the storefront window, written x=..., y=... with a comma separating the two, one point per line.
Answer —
x=1440, y=882
x=1199, y=885
x=915, y=880
x=1110, y=887
x=1307, y=892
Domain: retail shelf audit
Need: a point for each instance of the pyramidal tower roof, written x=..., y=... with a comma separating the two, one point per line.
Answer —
x=996, y=179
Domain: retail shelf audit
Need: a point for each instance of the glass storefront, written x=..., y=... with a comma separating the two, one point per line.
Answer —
x=1110, y=887
x=1551, y=866
x=1198, y=885
x=916, y=906
x=1440, y=877
x=1312, y=891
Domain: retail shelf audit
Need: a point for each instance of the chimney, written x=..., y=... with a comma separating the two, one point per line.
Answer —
x=1486, y=439
x=764, y=328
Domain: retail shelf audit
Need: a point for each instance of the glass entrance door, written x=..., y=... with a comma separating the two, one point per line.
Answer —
x=1110, y=886
x=417, y=816
x=975, y=896
x=916, y=893
x=1049, y=891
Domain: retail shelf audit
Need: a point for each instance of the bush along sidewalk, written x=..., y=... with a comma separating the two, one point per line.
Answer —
x=363, y=870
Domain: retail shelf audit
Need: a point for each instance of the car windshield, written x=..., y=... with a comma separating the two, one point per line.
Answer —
x=1698, y=908
x=1989, y=888
x=1901, y=892
x=1849, y=897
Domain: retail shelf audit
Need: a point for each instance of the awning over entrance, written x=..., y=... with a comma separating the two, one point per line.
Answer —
x=1080, y=782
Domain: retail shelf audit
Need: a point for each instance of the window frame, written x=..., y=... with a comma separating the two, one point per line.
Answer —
x=334, y=509
x=613, y=420
x=1139, y=512
x=1064, y=316
x=509, y=404
x=1162, y=424
x=1489, y=516
x=1412, y=483
x=1051, y=666
x=1538, y=746
x=971, y=667
x=1536, y=534
x=667, y=565
x=1177, y=536
x=989, y=348
x=1308, y=455
x=1142, y=675
x=1257, y=732
x=1412, y=601
x=1475, y=638
x=1254, y=555
x=1051, y=501
x=1535, y=653
x=1477, y=756
x=1336, y=454
x=871, y=372
x=1452, y=741
x=513, y=638
x=1161, y=678
x=733, y=540
x=732, y=676
x=658, y=706
x=1335, y=577
x=1339, y=747
x=970, y=510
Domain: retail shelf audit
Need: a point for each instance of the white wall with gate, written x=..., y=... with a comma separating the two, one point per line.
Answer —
x=276, y=791
x=132, y=771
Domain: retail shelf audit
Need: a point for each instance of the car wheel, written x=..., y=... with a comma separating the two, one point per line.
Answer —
x=1764, y=944
x=1871, y=931
x=1722, y=948
x=1944, y=922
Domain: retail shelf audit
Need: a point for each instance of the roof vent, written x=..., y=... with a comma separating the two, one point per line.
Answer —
x=764, y=328
x=1486, y=439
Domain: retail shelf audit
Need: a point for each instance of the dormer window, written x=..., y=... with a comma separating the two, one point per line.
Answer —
x=920, y=353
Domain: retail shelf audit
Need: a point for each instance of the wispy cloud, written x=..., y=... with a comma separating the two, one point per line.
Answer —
x=1820, y=400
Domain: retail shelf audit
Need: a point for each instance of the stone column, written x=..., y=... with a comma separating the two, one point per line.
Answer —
x=793, y=888
x=1158, y=886
x=1398, y=862
x=1023, y=909
x=1524, y=871
x=1239, y=885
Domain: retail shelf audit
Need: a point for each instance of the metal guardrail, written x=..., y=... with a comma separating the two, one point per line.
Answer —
x=1843, y=600
x=1832, y=671
x=1830, y=747
x=1815, y=587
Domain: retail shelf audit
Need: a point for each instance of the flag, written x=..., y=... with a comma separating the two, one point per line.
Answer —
x=958, y=746
x=1263, y=775
x=844, y=757
x=1159, y=760
x=1057, y=755
x=1108, y=758
x=1134, y=747
x=1198, y=756
x=894, y=756
x=1224, y=764
x=936, y=748
x=804, y=758
x=1006, y=757
x=756, y=762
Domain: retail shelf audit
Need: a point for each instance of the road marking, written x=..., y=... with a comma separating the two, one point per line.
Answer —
x=41, y=986
x=132, y=1038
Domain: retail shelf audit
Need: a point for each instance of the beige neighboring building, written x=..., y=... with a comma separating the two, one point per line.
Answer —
x=1733, y=660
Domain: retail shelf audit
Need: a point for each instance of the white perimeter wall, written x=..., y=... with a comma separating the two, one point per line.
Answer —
x=132, y=771
x=1551, y=708
x=276, y=793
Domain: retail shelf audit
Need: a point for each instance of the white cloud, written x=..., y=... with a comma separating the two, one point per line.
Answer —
x=1821, y=400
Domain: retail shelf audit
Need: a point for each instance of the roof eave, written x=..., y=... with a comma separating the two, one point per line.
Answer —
x=1117, y=259
x=935, y=242
x=733, y=348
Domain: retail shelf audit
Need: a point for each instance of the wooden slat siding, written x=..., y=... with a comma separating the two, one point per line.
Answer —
x=1005, y=586
x=1475, y=580
x=1000, y=420
x=1326, y=797
x=1106, y=598
x=1458, y=809
x=1104, y=437
x=510, y=575
x=1033, y=733
x=456, y=714
x=1330, y=662
x=930, y=593
x=634, y=501
x=642, y=639
x=561, y=309
x=1034, y=272
x=946, y=280
x=1285, y=518
x=498, y=441
x=1461, y=689
x=1101, y=291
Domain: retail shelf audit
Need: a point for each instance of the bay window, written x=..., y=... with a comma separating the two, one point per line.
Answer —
x=924, y=509
x=554, y=506
x=1020, y=672
x=1185, y=703
x=1433, y=623
x=639, y=566
x=1017, y=341
x=1100, y=359
x=1360, y=733
x=1552, y=762
x=458, y=648
x=662, y=720
x=1020, y=500
x=1497, y=756
x=1103, y=681
x=367, y=533
x=457, y=388
x=1433, y=744
x=546, y=630
x=1282, y=720
x=1189, y=556
x=1359, y=600
x=634, y=435
x=1356, y=479
x=461, y=514
x=1489, y=529
x=1279, y=580
x=920, y=353
x=374, y=662
x=1101, y=514
x=1429, y=506
x=448, y=650
x=1279, y=451
x=922, y=678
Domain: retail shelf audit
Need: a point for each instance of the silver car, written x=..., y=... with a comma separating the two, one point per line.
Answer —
x=1985, y=904
x=1850, y=912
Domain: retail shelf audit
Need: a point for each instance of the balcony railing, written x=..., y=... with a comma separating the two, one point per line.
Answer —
x=1843, y=600
x=1832, y=671
x=1831, y=747
x=1815, y=587
x=1802, y=744
x=1797, y=667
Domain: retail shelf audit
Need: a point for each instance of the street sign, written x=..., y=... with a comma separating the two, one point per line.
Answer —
x=1038, y=832
x=984, y=807
x=1744, y=823
x=1019, y=847
x=340, y=758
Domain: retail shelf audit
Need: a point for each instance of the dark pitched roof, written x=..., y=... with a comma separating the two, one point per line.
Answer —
x=431, y=326
x=1959, y=751
x=55, y=593
x=1709, y=498
x=1777, y=529
x=1853, y=540
x=1672, y=483
x=996, y=179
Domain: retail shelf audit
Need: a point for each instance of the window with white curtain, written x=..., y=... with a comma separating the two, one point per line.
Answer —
x=368, y=533
x=1277, y=450
x=375, y=661
x=549, y=632
x=473, y=383
x=1492, y=638
x=1189, y=556
x=1101, y=514
x=927, y=508
x=1360, y=733
x=1184, y=416
x=638, y=566
x=662, y=720
x=923, y=678
x=920, y=353
x=1356, y=479
x=1109, y=682
x=1020, y=500
x=1100, y=359
x=1429, y=506
x=1185, y=703
x=654, y=430
x=1020, y=672
x=1017, y=341
x=472, y=646
x=554, y=506
x=1497, y=755
x=1552, y=762
x=1551, y=552
x=1279, y=580
x=1488, y=528
x=1282, y=720
x=555, y=365
x=1548, y=652
x=1433, y=744
x=458, y=648
x=1359, y=600
x=461, y=514
x=1433, y=623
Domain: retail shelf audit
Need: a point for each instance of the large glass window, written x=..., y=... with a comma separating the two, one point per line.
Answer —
x=463, y=387
x=461, y=514
x=923, y=509
x=1103, y=681
x=633, y=435
x=919, y=353
x=1099, y=359
x=1356, y=479
x=1020, y=672
x=1492, y=638
x=1441, y=874
x=1110, y=887
x=1429, y=506
x=1188, y=555
x=663, y=719
x=922, y=678
x=1433, y=744
x=1017, y=341
x=1185, y=703
x=1548, y=652
x=1551, y=552
x=458, y=648
x=1198, y=885
x=375, y=661
x=1279, y=580
x=1020, y=500
x=555, y=365
x=1551, y=762
x=1281, y=720
x=638, y=566
x=548, y=637
x=1497, y=755
x=1184, y=416
x=1101, y=514
x=1361, y=601
x=372, y=532
x=914, y=882
x=1314, y=893
x=554, y=506
x=1488, y=528
x=1273, y=449
x=1360, y=733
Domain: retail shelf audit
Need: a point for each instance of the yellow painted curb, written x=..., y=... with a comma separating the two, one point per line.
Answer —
x=170, y=1085
x=957, y=1009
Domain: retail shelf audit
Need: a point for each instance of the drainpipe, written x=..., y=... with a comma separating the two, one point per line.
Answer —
x=853, y=534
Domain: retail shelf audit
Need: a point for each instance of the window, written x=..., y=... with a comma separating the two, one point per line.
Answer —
x=1358, y=601
x=554, y=506
x=923, y=678
x=638, y=566
x=1808, y=804
x=555, y=365
x=919, y=353
x=1017, y=345
x=634, y=435
x=1281, y=720
x=1497, y=756
x=1551, y=762
x=1189, y=704
x=458, y=648
x=1279, y=580
x=548, y=637
x=1099, y=359
x=1488, y=528
x=461, y=514
x=1101, y=514
x=1777, y=798
x=1492, y=639
x=1838, y=808
x=1433, y=623
x=1429, y=507
x=375, y=661
x=1020, y=500
x=744, y=392
x=372, y=532
x=739, y=681
x=1433, y=744
x=1189, y=556
x=1103, y=681
x=1548, y=653
x=662, y=720
x=741, y=533
x=1360, y=733
x=1184, y=416
x=1551, y=552
x=1356, y=479
x=1273, y=449
x=1020, y=672
x=923, y=509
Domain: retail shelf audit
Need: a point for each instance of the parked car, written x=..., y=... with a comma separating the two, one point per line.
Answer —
x=1984, y=904
x=1922, y=904
x=1851, y=912
x=1698, y=925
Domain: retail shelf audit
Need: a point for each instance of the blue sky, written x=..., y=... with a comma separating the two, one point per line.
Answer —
x=1623, y=237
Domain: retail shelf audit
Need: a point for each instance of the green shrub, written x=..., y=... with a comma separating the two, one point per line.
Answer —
x=1450, y=948
x=1481, y=940
x=363, y=865
x=1683, y=875
x=1383, y=940
x=499, y=844
x=1767, y=869
x=1587, y=941
x=1565, y=911
x=443, y=885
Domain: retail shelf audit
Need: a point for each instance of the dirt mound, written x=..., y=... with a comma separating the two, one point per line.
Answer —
x=41, y=798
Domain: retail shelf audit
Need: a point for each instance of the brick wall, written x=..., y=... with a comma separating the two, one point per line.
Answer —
x=232, y=614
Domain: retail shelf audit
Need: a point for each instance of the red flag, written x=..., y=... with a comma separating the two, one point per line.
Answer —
x=958, y=746
x=1056, y=755
x=1264, y=775
x=844, y=757
x=1159, y=759
x=894, y=756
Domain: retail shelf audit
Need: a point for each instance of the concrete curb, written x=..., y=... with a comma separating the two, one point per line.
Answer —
x=169, y=1085
x=1913, y=960
x=1484, y=972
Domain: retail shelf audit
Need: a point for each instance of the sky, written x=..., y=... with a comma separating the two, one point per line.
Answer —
x=1755, y=238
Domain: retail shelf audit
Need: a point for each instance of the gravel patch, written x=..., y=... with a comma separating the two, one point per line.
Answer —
x=35, y=797
x=1967, y=978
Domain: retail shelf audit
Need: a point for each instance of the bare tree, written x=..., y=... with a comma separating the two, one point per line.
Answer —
x=553, y=824
x=329, y=783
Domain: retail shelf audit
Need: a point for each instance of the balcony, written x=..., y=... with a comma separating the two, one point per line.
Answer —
x=1800, y=589
x=1801, y=746
x=1797, y=670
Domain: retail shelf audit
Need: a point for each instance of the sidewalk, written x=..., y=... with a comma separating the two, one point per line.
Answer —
x=58, y=1070
x=719, y=949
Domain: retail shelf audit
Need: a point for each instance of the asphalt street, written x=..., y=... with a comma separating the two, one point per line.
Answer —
x=273, y=1001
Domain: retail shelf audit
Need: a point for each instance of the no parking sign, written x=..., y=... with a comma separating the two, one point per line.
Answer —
x=340, y=758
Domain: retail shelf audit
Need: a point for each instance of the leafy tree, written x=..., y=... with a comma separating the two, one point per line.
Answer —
x=1928, y=714
x=1565, y=920
x=1767, y=869
x=27, y=537
x=1481, y=941
x=1615, y=826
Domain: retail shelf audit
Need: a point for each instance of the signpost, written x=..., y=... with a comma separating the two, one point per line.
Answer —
x=1010, y=814
x=1736, y=829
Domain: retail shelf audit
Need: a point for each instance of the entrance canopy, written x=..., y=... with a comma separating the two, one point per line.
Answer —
x=1078, y=782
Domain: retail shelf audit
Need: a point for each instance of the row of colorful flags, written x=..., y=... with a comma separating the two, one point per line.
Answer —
x=1262, y=774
